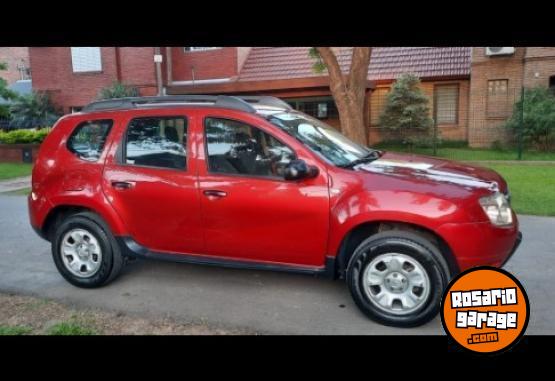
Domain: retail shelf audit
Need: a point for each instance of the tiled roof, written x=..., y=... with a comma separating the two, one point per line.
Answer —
x=385, y=63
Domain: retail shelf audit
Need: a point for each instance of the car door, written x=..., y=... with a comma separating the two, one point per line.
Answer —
x=249, y=211
x=152, y=184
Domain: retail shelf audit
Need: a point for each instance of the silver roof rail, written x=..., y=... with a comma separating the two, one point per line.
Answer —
x=241, y=103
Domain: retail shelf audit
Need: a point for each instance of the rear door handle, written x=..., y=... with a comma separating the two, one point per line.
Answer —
x=122, y=185
x=213, y=193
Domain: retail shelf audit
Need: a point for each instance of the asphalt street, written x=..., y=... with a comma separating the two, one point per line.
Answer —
x=257, y=301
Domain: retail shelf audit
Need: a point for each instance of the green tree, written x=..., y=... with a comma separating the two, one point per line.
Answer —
x=5, y=93
x=407, y=112
x=118, y=90
x=536, y=125
x=33, y=110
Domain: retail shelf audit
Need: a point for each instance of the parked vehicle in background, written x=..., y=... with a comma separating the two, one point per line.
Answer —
x=249, y=182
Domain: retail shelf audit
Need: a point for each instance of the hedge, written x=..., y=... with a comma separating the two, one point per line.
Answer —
x=23, y=136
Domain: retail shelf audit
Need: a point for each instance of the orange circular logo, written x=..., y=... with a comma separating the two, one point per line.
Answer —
x=485, y=310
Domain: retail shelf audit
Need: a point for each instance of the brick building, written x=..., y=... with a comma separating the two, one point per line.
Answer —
x=17, y=60
x=471, y=92
x=497, y=82
x=74, y=76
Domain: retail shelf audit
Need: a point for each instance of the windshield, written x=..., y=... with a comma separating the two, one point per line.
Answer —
x=321, y=138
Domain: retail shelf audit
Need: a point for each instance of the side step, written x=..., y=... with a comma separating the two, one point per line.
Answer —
x=133, y=249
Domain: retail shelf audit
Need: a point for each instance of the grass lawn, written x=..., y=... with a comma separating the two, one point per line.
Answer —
x=532, y=187
x=11, y=170
x=465, y=153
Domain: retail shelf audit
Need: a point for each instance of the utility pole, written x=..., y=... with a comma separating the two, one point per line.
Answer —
x=158, y=63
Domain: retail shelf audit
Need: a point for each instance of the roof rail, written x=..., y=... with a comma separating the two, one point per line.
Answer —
x=241, y=103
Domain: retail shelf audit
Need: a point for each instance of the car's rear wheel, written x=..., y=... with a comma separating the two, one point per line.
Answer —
x=85, y=252
x=397, y=278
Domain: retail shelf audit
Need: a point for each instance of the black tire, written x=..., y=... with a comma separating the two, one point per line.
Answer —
x=112, y=260
x=414, y=246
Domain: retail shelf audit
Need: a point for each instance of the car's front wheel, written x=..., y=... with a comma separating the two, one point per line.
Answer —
x=85, y=252
x=397, y=278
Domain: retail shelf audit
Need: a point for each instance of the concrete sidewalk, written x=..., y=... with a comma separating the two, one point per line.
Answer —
x=15, y=184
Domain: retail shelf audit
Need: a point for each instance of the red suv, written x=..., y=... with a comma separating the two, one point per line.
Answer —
x=248, y=182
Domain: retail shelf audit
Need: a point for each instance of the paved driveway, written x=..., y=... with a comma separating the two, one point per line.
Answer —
x=258, y=301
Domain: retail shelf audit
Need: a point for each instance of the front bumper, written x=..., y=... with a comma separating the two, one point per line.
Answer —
x=515, y=247
x=481, y=244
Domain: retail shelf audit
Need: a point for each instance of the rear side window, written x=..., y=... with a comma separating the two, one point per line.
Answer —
x=157, y=142
x=88, y=139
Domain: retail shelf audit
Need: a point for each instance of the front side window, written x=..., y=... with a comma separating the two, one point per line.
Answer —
x=88, y=139
x=86, y=59
x=157, y=142
x=237, y=148
x=321, y=138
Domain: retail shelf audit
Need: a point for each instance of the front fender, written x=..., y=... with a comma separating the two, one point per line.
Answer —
x=424, y=210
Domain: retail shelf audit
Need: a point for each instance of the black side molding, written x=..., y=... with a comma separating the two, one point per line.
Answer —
x=133, y=249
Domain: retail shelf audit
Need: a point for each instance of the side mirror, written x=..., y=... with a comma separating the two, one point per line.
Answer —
x=298, y=170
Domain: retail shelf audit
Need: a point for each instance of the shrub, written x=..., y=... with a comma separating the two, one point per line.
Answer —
x=406, y=114
x=33, y=111
x=537, y=123
x=24, y=136
x=118, y=90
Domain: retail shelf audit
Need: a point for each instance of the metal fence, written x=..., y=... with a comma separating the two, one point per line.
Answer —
x=496, y=123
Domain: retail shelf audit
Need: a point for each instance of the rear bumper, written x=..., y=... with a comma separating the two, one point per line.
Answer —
x=37, y=210
x=481, y=244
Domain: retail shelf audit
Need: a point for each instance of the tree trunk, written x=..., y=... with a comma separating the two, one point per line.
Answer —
x=349, y=92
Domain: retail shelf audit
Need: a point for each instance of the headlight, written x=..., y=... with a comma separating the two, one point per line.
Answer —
x=497, y=208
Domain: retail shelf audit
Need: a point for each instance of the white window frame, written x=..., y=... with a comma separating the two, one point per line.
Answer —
x=86, y=59
x=192, y=49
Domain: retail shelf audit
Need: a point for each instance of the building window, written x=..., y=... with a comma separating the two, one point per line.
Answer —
x=552, y=84
x=86, y=60
x=378, y=99
x=24, y=71
x=198, y=49
x=320, y=108
x=498, y=101
x=446, y=101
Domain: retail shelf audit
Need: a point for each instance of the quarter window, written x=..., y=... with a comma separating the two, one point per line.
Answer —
x=88, y=139
x=157, y=142
x=237, y=148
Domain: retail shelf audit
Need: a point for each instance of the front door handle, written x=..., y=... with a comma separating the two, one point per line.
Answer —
x=213, y=193
x=122, y=185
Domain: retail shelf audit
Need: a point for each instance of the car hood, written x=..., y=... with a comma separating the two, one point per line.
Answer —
x=431, y=169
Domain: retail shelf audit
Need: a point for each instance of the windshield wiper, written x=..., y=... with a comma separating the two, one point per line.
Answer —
x=373, y=155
